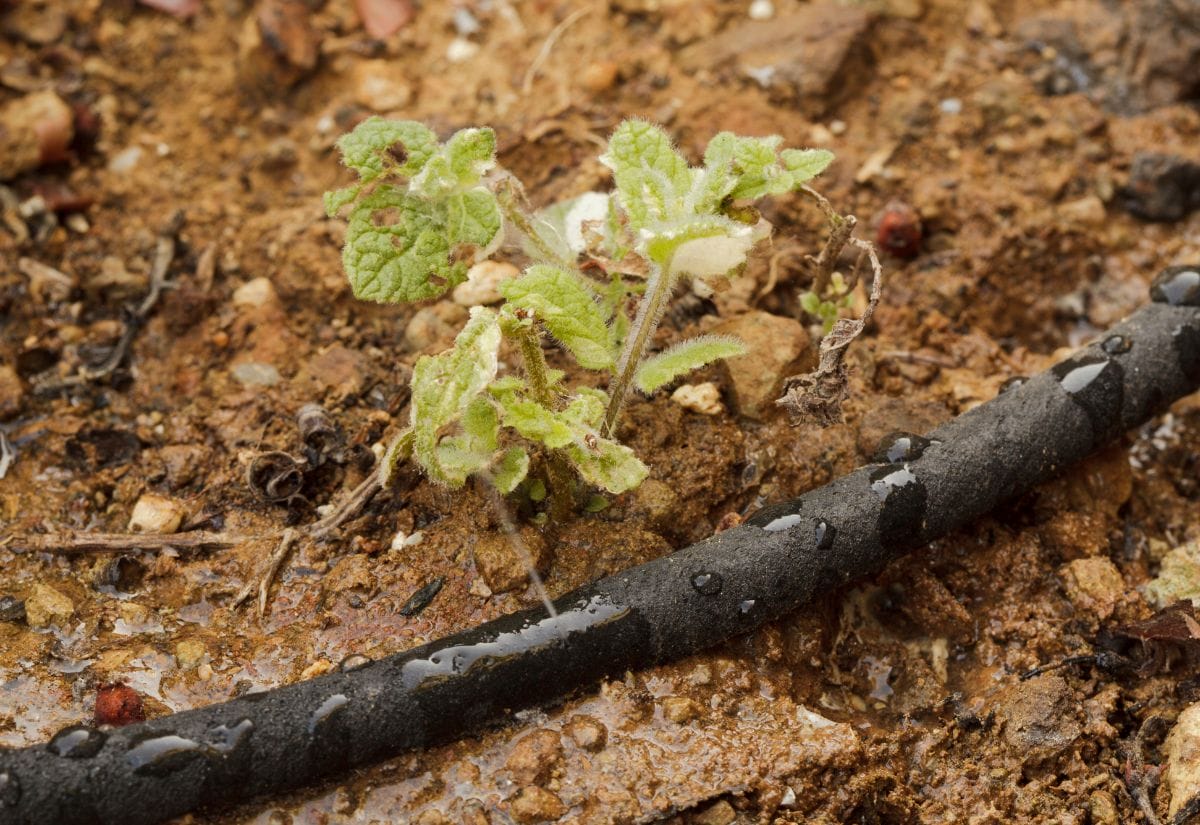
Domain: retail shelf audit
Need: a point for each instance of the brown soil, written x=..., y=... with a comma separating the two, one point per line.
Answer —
x=895, y=700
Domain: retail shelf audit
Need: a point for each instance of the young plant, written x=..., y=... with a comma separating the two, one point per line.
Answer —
x=422, y=212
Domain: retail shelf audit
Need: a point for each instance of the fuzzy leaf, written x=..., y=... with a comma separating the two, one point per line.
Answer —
x=335, y=200
x=568, y=309
x=652, y=178
x=806, y=164
x=702, y=247
x=510, y=470
x=473, y=218
x=407, y=260
x=757, y=167
x=399, y=451
x=444, y=385
x=376, y=142
x=607, y=464
x=586, y=410
x=684, y=357
x=472, y=154
x=535, y=422
x=471, y=451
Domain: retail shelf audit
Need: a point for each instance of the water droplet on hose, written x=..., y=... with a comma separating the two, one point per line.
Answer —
x=160, y=755
x=825, y=534
x=900, y=446
x=10, y=790
x=1116, y=345
x=1012, y=383
x=226, y=739
x=902, y=517
x=776, y=517
x=746, y=605
x=1177, y=286
x=1097, y=385
x=887, y=479
x=706, y=583
x=353, y=662
x=77, y=742
x=334, y=704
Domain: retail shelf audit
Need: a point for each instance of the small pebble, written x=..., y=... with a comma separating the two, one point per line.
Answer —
x=381, y=86
x=680, y=709
x=483, y=282
x=256, y=374
x=534, y=804
x=461, y=49
x=762, y=10
x=600, y=76
x=257, y=292
x=46, y=607
x=587, y=732
x=118, y=705
x=702, y=398
x=155, y=514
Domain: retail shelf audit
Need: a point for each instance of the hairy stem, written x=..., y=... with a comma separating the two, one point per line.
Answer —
x=511, y=200
x=561, y=478
x=659, y=287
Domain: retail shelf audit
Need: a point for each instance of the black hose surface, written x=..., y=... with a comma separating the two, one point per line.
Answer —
x=729, y=584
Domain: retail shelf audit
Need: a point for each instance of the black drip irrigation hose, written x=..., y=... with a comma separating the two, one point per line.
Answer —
x=269, y=742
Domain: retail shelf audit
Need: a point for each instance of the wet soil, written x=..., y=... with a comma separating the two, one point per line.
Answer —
x=1010, y=129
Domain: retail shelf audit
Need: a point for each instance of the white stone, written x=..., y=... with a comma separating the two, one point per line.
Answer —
x=702, y=398
x=483, y=283
x=255, y=293
x=156, y=514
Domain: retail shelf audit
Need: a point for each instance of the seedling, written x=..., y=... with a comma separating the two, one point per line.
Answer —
x=422, y=212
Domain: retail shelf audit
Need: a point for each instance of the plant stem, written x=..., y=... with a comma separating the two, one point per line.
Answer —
x=659, y=287
x=559, y=472
x=509, y=198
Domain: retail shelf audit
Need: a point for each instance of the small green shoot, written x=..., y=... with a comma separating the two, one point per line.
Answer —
x=422, y=212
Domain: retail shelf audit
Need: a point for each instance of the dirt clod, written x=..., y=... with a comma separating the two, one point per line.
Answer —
x=156, y=514
x=775, y=347
x=501, y=564
x=587, y=732
x=534, y=804
x=47, y=607
x=535, y=757
x=1094, y=585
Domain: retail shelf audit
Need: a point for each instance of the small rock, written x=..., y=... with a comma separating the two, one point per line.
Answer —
x=180, y=463
x=1182, y=748
x=47, y=607
x=600, y=76
x=12, y=609
x=1086, y=211
x=258, y=292
x=680, y=709
x=813, y=53
x=1094, y=585
x=432, y=329
x=1103, y=809
x=776, y=347
x=1161, y=187
x=156, y=514
x=190, y=653
x=256, y=374
x=482, y=285
x=277, y=47
x=12, y=393
x=898, y=230
x=381, y=86
x=1039, y=716
x=718, y=813
x=702, y=398
x=535, y=804
x=124, y=161
x=535, y=757
x=587, y=732
x=1178, y=577
x=34, y=129
x=383, y=18
x=501, y=565
x=118, y=705
x=340, y=370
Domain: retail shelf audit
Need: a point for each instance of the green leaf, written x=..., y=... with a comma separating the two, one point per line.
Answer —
x=444, y=385
x=535, y=422
x=684, y=357
x=595, y=504
x=408, y=260
x=335, y=200
x=511, y=469
x=473, y=217
x=375, y=144
x=459, y=456
x=471, y=154
x=703, y=246
x=607, y=464
x=652, y=178
x=569, y=310
x=586, y=410
x=806, y=164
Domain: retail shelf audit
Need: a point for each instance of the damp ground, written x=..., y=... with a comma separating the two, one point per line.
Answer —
x=1017, y=133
